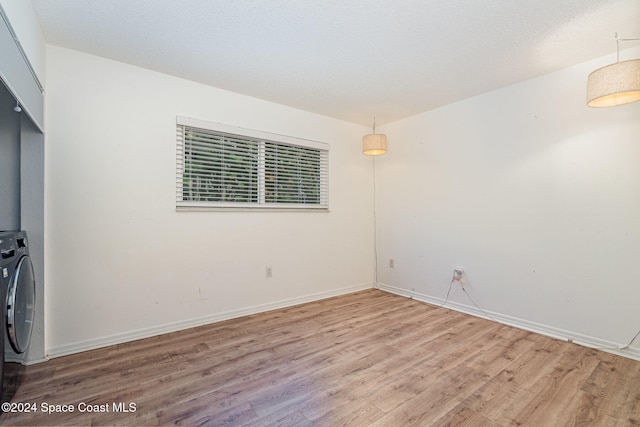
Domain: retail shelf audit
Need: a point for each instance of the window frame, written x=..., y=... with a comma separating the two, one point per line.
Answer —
x=262, y=138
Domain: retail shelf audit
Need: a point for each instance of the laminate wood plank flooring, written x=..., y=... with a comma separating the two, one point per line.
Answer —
x=365, y=359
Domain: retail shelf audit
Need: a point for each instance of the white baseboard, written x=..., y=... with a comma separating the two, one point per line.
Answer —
x=94, y=343
x=550, y=331
x=36, y=361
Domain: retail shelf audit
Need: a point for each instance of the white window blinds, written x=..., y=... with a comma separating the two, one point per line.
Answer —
x=220, y=166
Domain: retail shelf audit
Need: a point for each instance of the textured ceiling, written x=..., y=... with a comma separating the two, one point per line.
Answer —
x=349, y=59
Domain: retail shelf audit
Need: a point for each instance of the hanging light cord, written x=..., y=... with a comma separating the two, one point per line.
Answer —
x=622, y=347
x=618, y=40
x=461, y=280
x=375, y=224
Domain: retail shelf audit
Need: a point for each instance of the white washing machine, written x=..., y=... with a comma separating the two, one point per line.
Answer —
x=18, y=307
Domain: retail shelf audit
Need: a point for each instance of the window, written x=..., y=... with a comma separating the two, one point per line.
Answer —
x=220, y=166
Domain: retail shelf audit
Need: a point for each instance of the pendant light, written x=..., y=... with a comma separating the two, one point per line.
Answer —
x=374, y=144
x=615, y=84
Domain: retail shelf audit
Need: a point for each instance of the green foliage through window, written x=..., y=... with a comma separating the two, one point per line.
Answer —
x=221, y=169
x=292, y=174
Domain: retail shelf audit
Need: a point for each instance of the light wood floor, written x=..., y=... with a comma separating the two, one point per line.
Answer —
x=364, y=359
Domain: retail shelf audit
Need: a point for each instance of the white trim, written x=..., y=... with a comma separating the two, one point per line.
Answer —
x=550, y=331
x=4, y=17
x=15, y=71
x=94, y=343
x=36, y=361
x=230, y=206
x=209, y=135
x=563, y=335
x=258, y=134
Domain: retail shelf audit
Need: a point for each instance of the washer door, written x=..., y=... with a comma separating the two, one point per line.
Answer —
x=21, y=294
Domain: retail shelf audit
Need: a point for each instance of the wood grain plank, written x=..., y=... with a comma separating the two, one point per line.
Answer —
x=365, y=359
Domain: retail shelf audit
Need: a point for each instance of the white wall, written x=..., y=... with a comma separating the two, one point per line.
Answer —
x=533, y=193
x=122, y=263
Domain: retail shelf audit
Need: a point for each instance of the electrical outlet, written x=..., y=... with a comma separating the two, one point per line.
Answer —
x=392, y=263
x=269, y=271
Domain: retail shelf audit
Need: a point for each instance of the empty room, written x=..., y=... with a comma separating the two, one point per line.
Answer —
x=291, y=213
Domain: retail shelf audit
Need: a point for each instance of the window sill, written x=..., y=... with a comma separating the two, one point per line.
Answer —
x=249, y=209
